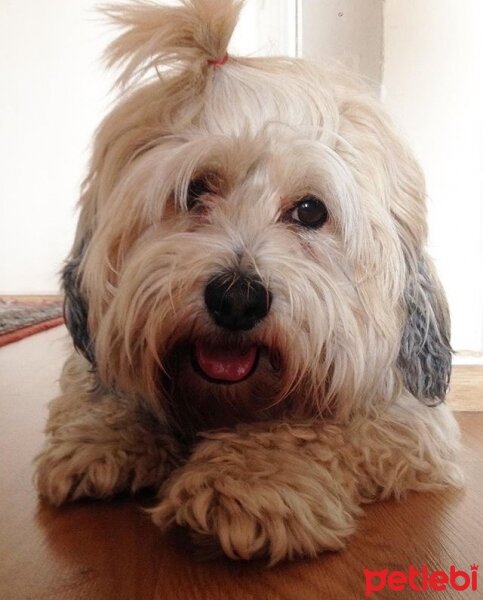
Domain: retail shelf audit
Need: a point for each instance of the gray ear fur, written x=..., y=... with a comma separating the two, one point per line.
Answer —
x=425, y=352
x=75, y=306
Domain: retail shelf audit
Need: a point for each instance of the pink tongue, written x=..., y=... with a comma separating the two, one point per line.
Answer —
x=225, y=364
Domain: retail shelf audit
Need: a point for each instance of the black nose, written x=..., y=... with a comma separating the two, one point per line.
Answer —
x=237, y=302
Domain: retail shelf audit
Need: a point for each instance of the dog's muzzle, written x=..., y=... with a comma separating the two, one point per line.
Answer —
x=236, y=303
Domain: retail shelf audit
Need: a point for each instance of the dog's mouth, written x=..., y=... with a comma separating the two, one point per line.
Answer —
x=224, y=364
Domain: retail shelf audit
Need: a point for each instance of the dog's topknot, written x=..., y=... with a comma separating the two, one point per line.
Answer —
x=191, y=35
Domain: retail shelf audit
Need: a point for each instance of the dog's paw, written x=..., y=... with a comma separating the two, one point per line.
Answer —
x=68, y=471
x=256, y=504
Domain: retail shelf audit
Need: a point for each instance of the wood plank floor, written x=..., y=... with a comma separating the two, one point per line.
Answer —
x=110, y=550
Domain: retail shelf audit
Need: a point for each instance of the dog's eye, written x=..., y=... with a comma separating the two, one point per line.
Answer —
x=196, y=189
x=310, y=212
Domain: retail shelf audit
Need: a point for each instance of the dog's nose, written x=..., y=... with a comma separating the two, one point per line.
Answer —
x=237, y=302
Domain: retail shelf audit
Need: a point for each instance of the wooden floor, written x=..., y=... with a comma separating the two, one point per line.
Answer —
x=97, y=551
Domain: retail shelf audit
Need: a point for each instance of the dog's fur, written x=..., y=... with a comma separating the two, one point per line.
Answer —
x=346, y=403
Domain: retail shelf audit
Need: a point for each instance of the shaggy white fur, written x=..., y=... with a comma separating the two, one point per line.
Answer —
x=258, y=216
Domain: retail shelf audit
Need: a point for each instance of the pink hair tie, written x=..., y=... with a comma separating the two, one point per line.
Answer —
x=218, y=62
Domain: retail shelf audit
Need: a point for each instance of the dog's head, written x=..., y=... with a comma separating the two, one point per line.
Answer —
x=251, y=236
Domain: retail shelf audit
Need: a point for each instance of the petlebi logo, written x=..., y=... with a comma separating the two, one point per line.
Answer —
x=421, y=580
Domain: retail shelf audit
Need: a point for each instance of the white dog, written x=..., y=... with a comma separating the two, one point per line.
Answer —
x=259, y=332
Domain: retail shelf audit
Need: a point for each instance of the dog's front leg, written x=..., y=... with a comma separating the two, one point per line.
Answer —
x=285, y=490
x=279, y=491
x=99, y=444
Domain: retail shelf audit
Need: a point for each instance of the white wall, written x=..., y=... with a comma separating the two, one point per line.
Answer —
x=54, y=93
x=349, y=31
x=433, y=81
x=266, y=27
x=52, y=97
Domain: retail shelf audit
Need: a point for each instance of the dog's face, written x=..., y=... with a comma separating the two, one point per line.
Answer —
x=255, y=252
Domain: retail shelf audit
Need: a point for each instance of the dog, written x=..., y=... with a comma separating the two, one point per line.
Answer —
x=258, y=332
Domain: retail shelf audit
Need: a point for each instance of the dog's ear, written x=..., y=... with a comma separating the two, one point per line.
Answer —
x=424, y=358
x=75, y=305
x=425, y=352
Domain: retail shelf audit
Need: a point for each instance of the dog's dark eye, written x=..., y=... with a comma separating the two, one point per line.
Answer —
x=196, y=189
x=310, y=212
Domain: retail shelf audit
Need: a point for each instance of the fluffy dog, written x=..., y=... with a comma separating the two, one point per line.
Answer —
x=258, y=331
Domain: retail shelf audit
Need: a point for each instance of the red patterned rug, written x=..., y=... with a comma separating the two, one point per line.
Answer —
x=21, y=318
